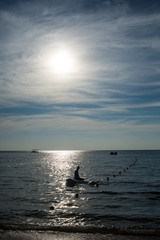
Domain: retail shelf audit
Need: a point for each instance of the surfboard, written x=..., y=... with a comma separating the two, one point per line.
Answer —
x=70, y=182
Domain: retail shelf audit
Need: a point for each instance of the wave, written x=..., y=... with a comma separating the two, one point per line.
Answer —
x=157, y=193
x=84, y=229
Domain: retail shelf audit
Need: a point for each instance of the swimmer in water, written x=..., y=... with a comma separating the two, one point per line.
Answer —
x=76, y=175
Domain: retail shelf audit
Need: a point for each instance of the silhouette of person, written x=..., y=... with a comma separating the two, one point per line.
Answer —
x=76, y=174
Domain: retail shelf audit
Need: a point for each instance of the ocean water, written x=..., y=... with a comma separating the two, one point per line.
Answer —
x=33, y=189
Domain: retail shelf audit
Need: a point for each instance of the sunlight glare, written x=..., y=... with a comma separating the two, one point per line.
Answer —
x=63, y=62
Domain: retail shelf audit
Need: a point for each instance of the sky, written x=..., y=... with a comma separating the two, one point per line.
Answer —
x=79, y=75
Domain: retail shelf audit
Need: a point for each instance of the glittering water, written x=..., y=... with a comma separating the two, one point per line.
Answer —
x=128, y=194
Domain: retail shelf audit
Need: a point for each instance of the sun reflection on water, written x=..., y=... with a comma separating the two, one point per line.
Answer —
x=56, y=167
x=60, y=163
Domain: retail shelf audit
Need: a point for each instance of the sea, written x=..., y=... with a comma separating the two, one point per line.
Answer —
x=34, y=195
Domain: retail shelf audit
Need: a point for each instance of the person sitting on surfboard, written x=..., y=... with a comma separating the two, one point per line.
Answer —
x=76, y=175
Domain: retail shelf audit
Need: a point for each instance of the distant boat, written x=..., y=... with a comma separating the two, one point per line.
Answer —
x=34, y=151
x=113, y=153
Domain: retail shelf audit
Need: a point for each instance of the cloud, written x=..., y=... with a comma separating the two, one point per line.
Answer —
x=117, y=83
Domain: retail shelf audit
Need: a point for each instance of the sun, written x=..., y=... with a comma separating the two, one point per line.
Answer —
x=63, y=62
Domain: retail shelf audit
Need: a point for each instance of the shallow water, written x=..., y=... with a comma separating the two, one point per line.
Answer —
x=49, y=235
x=30, y=183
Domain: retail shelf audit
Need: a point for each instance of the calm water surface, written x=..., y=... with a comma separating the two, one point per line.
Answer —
x=30, y=183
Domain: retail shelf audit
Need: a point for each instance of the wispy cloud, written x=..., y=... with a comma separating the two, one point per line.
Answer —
x=118, y=66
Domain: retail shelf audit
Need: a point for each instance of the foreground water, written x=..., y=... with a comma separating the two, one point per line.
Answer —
x=34, y=193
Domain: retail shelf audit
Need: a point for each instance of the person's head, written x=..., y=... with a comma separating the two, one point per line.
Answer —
x=78, y=167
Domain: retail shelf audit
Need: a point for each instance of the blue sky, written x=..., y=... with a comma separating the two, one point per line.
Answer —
x=111, y=99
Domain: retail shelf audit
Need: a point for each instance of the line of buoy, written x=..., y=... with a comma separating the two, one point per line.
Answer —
x=124, y=170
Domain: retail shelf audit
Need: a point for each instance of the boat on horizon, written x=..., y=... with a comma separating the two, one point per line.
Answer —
x=113, y=153
x=34, y=151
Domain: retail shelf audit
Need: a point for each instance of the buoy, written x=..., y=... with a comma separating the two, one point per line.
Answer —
x=76, y=195
x=108, y=179
x=52, y=207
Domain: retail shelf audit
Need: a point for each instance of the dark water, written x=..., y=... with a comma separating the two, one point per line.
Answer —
x=30, y=183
